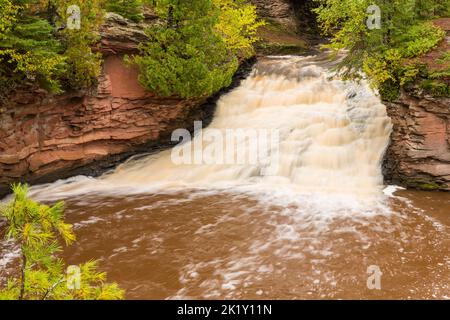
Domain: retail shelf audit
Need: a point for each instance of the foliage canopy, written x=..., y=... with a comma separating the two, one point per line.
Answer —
x=382, y=53
x=197, y=49
x=193, y=53
x=37, y=46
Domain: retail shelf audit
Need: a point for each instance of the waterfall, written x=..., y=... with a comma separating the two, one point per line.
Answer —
x=330, y=136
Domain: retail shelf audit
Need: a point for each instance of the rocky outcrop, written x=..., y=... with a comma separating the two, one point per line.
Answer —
x=290, y=27
x=122, y=36
x=281, y=11
x=419, y=153
x=43, y=137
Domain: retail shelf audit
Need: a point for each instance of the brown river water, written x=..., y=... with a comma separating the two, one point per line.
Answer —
x=308, y=228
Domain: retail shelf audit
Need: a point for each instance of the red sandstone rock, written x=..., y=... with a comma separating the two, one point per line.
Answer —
x=419, y=153
x=43, y=138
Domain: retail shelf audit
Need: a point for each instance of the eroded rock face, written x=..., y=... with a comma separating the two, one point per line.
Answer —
x=419, y=153
x=47, y=137
x=281, y=11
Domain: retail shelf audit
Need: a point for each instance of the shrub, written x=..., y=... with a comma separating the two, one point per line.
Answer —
x=36, y=46
x=28, y=48
x=385, y=54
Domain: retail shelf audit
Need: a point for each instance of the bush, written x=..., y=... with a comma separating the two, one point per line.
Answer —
x=185, y=57
x=385, y=54
x=28, y=48
x=237, y=25
x=83, y=65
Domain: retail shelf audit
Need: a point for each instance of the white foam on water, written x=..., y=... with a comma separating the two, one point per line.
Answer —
x=391, y=189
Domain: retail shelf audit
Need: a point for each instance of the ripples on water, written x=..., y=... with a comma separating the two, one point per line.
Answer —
x=204, y=245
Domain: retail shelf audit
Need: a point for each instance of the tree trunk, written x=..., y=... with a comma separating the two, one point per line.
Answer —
x=170, y=17
x=22, y=280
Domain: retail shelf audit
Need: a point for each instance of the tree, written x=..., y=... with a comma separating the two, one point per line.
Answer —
x=36, y=45
x=197, y=50
x=380, y=52
x=37, y=229
x=238, y=24
x=28, y=48
x=185, y=56
x=84, y=66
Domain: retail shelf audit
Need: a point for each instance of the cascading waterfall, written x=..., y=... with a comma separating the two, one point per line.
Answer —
x=331, y=135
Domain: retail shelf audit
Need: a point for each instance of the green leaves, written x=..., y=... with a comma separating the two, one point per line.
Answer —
x=419, y=39
x=197, y=50
x=193, y=54
x=36, y=45
x=83, y=65
x=384, y=54
x=35, y=225
x=37, y=229
x=28, y=48
x=238, y=25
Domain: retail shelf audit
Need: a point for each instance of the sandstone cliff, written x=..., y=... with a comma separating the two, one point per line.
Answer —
x=419, y=153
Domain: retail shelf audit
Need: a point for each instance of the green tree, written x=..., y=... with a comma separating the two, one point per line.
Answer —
x=197, y=50
x=36, y=45
x=37, y=230
x=130, y=9
x=185, y=56
x=84, y=65
x=238, y=24
x=28, y=48
x=382, y=52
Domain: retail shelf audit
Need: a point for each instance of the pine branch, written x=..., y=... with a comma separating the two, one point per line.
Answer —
x=52, y=288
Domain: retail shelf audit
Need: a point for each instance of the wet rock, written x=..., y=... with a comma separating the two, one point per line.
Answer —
x=281, y=11
x=419, y=153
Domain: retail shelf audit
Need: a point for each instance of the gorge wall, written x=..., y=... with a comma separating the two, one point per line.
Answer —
x=419, y=153
x=281, y=11
x=43, y=138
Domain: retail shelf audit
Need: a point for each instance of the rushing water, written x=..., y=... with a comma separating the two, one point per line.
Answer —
x=309, y=229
